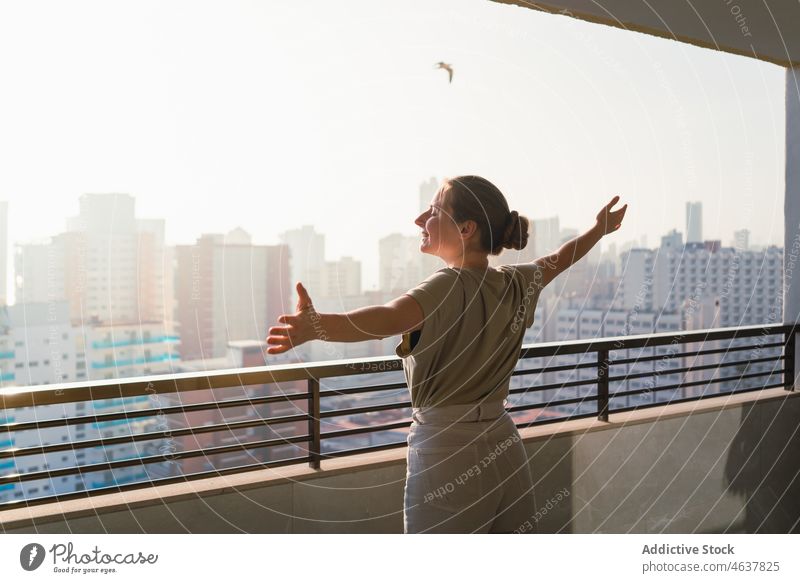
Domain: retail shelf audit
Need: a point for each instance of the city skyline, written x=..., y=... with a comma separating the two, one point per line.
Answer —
x=289, y=108
x=565, y=232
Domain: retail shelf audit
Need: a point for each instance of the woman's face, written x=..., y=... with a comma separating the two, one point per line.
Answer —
x=440, y=235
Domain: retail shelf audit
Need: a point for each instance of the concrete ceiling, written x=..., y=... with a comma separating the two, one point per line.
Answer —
x=763, y=29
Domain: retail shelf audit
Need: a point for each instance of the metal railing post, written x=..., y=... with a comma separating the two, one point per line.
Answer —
x=788, y=358
x=602, y=384
x=314, y=443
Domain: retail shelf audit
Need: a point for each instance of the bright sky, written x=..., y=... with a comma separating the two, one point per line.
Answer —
x=271, y=115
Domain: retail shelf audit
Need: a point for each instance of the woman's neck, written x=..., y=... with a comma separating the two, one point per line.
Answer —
x=477, y=263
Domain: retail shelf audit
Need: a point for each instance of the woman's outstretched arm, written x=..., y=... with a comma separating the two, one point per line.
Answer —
x=569, y=253
x=403, y=314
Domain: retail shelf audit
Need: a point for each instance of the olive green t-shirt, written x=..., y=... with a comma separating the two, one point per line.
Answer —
x=471, y=335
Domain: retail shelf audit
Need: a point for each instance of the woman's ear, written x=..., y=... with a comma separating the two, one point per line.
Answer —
x=469, y=227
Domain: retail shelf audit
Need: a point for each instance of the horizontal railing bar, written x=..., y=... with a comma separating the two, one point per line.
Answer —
x=364, y=409
x=367, y=429
x=692, y=384
x=149, y=483
x=690, y=353
x=639, y=359
x=592, y=381
x=14, y=397
x=365, y=449
x=691, y=368
x=105, y=466
x=648, y=340
x=616, y=378
x=57, y=393
x=148, y=436
x=551, y=403
x=560, y=402
x=137, y=413
x=365, y=389
x=557, y=368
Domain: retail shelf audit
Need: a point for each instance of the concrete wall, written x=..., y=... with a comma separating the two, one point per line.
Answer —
x=727, y=464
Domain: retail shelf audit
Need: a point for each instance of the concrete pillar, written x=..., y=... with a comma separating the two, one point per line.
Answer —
x=791, y=209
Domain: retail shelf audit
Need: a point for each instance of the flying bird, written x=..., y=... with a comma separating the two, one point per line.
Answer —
x=446, y=67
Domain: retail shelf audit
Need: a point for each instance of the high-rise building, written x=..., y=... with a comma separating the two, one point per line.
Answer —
x=741, y=239
x=636, y=284
x=747, y=283
x=306, y=250
x=545, y=236
x=109, y=266
x=694, y=222
x=46, y=347
x=340, y=278
x=228, y=289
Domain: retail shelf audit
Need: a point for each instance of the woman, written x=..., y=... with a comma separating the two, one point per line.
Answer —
x=462, y=329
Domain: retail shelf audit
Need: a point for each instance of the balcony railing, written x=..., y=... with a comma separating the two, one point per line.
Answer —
x=310, y=401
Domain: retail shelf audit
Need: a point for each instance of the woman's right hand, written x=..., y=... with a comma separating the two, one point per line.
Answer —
x=609, y=221
x=297, y=328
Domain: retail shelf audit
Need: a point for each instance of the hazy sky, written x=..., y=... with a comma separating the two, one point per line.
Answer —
x=271, y=115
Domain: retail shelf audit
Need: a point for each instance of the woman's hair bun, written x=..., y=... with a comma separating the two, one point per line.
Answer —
x=516, y=233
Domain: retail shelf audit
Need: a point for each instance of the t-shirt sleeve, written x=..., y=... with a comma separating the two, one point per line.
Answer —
x=437, y=296
x=532, y=285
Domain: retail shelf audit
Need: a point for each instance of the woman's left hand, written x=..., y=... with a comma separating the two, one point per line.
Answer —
x=608, y=221
x=298, y=328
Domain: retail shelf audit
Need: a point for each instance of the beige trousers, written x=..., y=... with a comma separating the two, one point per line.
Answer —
x=467, y=472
